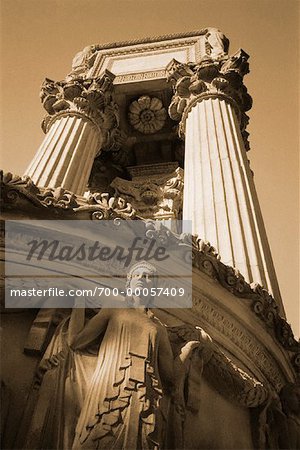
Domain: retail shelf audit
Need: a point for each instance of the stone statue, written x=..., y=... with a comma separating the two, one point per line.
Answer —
x=290, y=401
x=106, y=382
x=126, y=404
x=82, y=61
x=216, y=43
x=188, y=369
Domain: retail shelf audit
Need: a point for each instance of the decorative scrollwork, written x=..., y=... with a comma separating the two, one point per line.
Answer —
x=110, y=207
x=59, y=198
x=13, y=187
x=102, y=204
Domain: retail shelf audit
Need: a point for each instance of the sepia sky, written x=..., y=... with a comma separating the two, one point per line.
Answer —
x=40, y=38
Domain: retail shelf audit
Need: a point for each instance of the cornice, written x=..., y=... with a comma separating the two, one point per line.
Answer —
x=244, y=344
x=150, y=40
x=64, y=204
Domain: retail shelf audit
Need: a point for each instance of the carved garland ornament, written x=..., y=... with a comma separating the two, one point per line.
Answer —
x=147, y=114
x=97, y=205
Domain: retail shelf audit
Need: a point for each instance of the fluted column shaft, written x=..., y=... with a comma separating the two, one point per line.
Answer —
x=219, y=194
x=81, y=121
x=66, y=155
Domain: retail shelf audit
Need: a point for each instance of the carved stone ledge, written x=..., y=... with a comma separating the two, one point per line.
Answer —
x=219, y=78
x=90, y=99
x=204, y=257
x=12, y=186
x=97, y=205
x=218, y=321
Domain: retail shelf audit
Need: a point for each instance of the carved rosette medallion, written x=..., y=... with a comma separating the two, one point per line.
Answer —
x=219, y=78
x=91, y=99
x=147, y=114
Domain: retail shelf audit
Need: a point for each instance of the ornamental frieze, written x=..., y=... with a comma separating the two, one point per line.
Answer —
x=248, y=344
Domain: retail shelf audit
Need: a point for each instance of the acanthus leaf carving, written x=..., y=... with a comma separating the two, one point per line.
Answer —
x=58, y=197
x=237, y=63
x=160, y=196
x=220, y=76
x=14, y=187
x=90, y=98
x=110, y=207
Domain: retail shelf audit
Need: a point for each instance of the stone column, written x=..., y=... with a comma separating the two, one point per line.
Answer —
x=82, y=120
x=219, y=197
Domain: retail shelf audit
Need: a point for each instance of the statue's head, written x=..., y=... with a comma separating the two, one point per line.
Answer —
x=141, y=277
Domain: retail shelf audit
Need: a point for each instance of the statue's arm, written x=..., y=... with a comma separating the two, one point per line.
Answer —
x=76, y=323
x=166, y=361
x=91, y=331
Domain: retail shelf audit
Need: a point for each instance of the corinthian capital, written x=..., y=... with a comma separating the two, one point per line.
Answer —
x=90, y=99
x=217, y=75
x=153, y=195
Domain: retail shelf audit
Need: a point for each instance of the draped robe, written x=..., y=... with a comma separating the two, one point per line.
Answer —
x=114, y=399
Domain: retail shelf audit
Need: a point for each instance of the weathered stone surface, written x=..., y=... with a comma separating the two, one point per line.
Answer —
x=228, y=366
